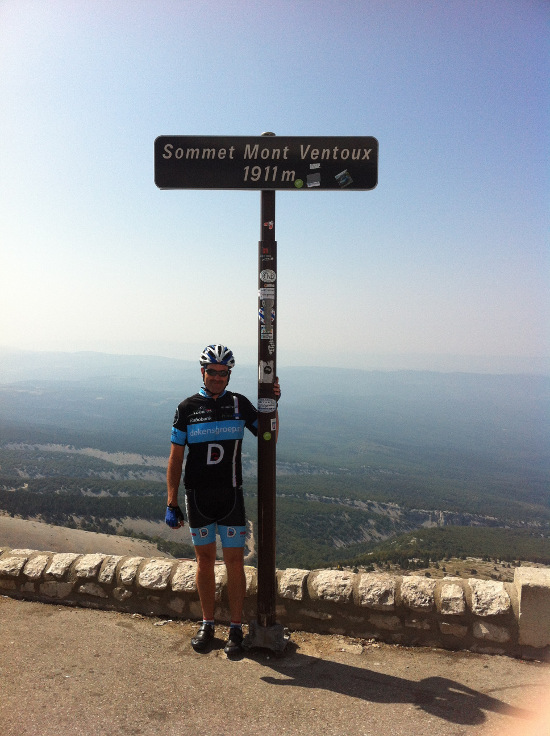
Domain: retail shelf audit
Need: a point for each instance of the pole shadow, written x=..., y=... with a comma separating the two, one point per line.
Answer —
x=439, y=696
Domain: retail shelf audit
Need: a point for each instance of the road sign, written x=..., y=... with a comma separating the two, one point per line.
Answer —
x=267, y=163
x=258, y=162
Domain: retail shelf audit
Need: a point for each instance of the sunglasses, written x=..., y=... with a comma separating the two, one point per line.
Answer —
x=212, y=372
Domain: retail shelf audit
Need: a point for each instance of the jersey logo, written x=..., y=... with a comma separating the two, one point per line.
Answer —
x=214, y=454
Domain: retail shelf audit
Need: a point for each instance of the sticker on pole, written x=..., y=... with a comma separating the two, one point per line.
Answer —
x=265, y=371
x=266, y=406
x=268, y=276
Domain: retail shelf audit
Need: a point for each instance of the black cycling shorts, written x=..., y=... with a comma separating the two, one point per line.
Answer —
x=224, y=506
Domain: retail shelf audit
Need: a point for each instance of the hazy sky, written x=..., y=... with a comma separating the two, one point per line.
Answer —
x=444, y=264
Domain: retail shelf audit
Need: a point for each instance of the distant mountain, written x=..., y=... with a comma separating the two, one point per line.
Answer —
x=146, y=370
x=330, y=417
x=440, y=446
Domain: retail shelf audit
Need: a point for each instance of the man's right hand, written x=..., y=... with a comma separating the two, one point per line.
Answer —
x=174, y=517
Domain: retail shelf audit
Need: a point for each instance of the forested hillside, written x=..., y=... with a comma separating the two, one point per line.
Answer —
x=363, y=456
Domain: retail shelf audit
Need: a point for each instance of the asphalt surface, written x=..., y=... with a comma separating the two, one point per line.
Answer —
x=76, y=671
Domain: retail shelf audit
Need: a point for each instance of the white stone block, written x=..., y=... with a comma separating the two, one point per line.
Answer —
x=61, y=563
x=251, y=577
x=184, y=579
x=88, y=565
x=220, y=576
x=292, y=583
x=128, y=569
x=452, y=600
x=36, y=566
x=418, y=593
x=489, y=597
x=533, y=586
x=12, y=565
x=107, y=572
x=377, y=591
x=53, y=589
x=331, y=585
x=155, y=574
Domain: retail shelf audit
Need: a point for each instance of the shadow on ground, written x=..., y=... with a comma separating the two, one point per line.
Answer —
x=439, y=696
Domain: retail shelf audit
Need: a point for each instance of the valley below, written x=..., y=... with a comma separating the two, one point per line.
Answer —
x=414, y=471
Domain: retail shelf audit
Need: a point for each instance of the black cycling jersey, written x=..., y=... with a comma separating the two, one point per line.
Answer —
x=213, y=431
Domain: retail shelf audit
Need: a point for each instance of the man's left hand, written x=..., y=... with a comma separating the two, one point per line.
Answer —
x=174, y=517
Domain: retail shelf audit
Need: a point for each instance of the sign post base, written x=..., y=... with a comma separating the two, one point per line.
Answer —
x=266, y=637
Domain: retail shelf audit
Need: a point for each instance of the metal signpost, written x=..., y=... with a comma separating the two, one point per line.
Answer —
x=266, y=163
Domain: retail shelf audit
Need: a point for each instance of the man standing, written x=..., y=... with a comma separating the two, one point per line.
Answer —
x=211, y=424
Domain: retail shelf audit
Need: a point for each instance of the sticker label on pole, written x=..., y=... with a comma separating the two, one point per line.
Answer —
x=268, y=276
x=266, y=406
x=265, y=371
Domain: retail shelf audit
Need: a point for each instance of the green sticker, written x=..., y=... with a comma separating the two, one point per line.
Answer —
x=267, y=436
x=298, y=183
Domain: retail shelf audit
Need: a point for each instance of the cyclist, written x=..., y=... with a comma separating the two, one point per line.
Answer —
x=211, y=425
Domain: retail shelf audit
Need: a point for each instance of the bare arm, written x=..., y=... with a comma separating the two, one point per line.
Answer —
x=173, y=473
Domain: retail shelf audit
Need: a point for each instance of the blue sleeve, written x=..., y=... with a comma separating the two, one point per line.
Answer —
x=178, y=437
x=179, y=428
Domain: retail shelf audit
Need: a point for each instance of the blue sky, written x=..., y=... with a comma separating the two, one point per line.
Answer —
x=443, y=266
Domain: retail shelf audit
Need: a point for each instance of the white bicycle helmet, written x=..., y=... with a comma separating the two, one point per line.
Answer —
x=217, y=354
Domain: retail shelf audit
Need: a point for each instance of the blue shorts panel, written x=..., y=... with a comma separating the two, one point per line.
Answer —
x=203, y=535
x=230, y=536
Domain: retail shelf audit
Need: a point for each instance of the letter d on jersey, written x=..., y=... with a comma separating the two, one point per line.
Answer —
x=215, y=454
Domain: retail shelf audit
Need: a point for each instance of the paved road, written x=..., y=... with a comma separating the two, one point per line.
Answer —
x=81, y=672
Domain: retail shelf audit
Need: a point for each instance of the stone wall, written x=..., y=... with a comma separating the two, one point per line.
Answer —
x=452, y=613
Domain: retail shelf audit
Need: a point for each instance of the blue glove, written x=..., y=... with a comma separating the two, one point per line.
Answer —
x=174, y=517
